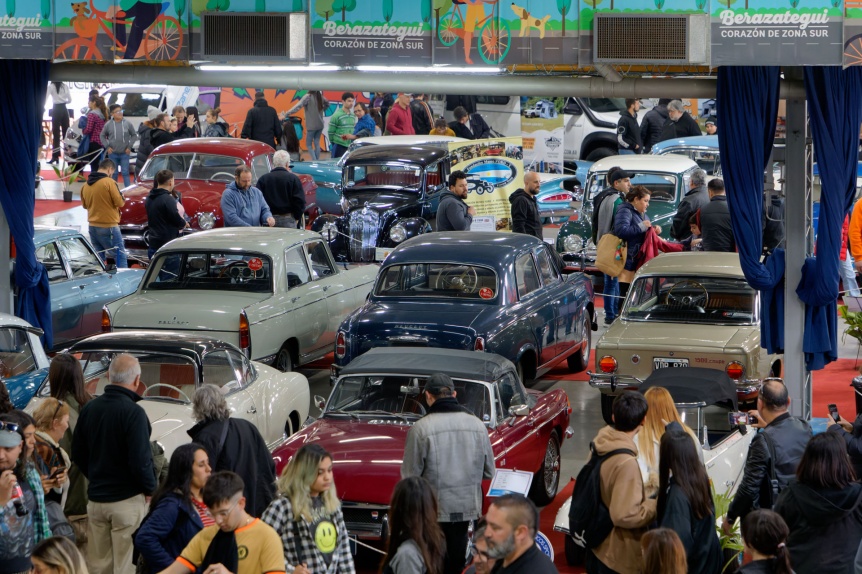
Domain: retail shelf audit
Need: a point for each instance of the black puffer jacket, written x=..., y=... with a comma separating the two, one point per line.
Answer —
x=715, y=226
x=262, y=124
x=629, y=133
x=630, y=226
x=652, y=125
x=684, y=127
x=163, y=219
x=525, y=214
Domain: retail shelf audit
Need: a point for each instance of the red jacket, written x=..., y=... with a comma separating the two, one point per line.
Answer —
x=399, y=121
x=845, y=236
x=652, y=246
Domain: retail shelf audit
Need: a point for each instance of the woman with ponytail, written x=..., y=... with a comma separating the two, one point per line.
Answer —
x=96, y=118
x=764, y=537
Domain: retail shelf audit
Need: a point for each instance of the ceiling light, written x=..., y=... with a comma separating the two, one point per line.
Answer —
x=435, y=69
x=244, y=68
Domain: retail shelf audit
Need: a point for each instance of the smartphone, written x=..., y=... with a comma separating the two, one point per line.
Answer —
x=741, y=418
x=833, y=412
x=57, y=471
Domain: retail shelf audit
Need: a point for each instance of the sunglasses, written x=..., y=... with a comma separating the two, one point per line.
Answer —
x=11, y=427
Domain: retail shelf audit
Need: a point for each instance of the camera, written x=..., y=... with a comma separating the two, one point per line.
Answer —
x=741, y=418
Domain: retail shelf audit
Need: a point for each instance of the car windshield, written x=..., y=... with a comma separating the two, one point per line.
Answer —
x=164, y=376
x=606, y=105
x=210, y=270
x=438, y=280
x=662, y=185
x=706, y=159
x=134, y=103
x=201, y=166
x=16, y=356
x=689, y=299
x=390, y=174
x=400, y=395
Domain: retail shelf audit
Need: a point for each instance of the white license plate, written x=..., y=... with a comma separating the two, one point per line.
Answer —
x=663, y=363
x=381, y=253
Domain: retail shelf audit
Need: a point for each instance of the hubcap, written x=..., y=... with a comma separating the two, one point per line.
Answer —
x=552, y=466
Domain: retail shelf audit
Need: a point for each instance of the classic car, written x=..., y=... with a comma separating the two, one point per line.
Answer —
x=704, y=398
x=378, y=397
x=556, y=195
x=389, y=195
x=79, y=281
x=666, y=176
x=701, y=149
x=202, y=169
x=175, y=364
x=23, y=363
x=497, y=292
x=690, y=309
x=327, y=172
x=277, y=294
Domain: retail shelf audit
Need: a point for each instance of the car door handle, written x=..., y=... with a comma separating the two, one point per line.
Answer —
x=252, y=410
x=294, y=299
x=326, y=288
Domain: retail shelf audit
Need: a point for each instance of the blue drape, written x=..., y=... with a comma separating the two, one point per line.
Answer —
x=23, y=100
x=749, y=110
x=835, y=113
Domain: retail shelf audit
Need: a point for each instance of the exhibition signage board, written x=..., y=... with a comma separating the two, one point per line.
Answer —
x=542, y=129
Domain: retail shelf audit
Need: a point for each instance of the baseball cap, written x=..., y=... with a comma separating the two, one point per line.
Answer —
x=9, y=438
x=437, y=382
x=620, y=174
x=709, y=120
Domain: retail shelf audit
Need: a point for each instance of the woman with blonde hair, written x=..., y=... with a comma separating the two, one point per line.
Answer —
x=307, y=516
x=661, y=412
x=58, y=555
x=52, y=421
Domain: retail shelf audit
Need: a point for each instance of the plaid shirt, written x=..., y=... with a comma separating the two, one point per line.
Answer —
x=279, y=515
x=41, y=526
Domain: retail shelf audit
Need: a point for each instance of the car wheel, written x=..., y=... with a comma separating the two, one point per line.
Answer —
x=575, y=554
x=547, y=479
x=601, y=153
x=581, y=360
x=608, y=408
x=284, y=360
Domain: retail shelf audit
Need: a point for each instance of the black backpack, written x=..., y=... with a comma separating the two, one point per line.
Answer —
x=589, y=519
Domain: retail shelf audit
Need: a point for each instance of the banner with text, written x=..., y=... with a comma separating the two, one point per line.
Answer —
x=542, y=129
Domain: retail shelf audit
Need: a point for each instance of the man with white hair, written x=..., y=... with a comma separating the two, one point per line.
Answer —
x=695, y=199
x=111, y=446
x=283, y=191
x=679, y=123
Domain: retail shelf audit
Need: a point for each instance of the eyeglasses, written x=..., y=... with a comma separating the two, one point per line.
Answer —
x=57, y=410
x=11, y=427
x=223, y=514
x=476, y=552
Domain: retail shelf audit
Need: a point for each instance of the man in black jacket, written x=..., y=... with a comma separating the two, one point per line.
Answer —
x=778, y=445
x=680, y=124
x=262, y=123
x=163, y=218
x=423, y=118
x=628, y=131
x=461, y=125
x=513, y=521
x=161, y=134
x=111, y=446
x=715, y=226
x=525, y=209
x=653, y=123
x=283, y=192
x=697, y=197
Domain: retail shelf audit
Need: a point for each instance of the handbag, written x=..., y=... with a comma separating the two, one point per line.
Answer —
x=611, y=255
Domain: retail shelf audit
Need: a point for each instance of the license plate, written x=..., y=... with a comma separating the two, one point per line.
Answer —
x=663, y=363
x=381, y=253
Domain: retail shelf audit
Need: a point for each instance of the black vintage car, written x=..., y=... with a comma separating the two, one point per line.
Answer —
x=390, y=194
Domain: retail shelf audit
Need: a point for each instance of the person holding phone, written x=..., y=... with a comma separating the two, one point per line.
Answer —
x=851, y=433
x=52, y=420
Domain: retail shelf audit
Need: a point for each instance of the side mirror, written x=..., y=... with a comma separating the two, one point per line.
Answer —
x=110, y=265
x=319, y=402
x=519, y=410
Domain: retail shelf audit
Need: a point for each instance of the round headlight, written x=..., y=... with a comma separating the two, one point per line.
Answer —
x=573, y=243
x=397, y=234
x=206, y=220
x=329, y=231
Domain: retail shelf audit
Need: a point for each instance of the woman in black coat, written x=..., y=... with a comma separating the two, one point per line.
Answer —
x=685, y=503
x=823, y=509
x=764, y=538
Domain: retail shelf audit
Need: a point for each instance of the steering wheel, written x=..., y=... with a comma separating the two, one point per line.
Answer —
x=153, y=386
x=699, y=300
x=466, y=281
x=230, y=266
x=416, y=406
x=213, y=176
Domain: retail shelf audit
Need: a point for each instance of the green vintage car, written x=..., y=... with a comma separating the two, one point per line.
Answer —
x=667, y=176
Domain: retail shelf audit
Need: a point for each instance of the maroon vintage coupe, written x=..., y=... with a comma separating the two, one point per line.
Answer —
x=202, y=169
x=378, y=397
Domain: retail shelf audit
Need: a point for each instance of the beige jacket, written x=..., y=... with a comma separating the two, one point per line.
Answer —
x=630, y=509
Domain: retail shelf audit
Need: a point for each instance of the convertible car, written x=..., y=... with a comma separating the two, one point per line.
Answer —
x=275, y=293
x=202, y=169
x=378, y=397
x=497, y=292
x=23, y=363
x=685, y=310
x=174, y=365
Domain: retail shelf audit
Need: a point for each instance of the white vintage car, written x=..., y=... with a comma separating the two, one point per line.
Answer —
x=174, y=365
x=275, y=293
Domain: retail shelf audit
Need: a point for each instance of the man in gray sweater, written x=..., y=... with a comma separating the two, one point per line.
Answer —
x=119, y=136
x=454, y=214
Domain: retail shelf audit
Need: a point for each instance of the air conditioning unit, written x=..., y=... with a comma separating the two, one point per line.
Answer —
x=651, y=38
x=264, y=37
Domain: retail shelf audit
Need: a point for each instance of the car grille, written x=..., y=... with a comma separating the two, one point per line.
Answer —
x=363, y=227
x=365, y=521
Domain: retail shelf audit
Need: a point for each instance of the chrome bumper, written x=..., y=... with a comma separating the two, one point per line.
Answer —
x=612, y=382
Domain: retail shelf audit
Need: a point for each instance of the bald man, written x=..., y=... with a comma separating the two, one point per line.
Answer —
x=525, y=209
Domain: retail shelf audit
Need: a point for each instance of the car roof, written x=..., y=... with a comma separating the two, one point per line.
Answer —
x=694, y=141
x=7, y=320
x=409, y=140
x=637, y=163
x=152, y=341
x=264, y=239
x=417, y=154
x=474, y=365
x=45, y=233
x=217, y=146
x=135, y=89
x=694, y=263
x=471, y=247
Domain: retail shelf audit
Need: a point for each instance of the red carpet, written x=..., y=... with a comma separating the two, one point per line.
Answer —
x=546, y=525
x=48, y=206
x=48, y=174
x=832, y=385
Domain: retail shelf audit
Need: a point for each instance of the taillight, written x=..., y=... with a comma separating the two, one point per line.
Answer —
x=106, y=321
x=340, y=345
x=480, y=344
x=608, y=364
x=735, y=370
x=244, y=333
x=558, y=197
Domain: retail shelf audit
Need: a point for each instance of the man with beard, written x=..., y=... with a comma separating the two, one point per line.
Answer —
x=513, y=521
x=16, y=522
x=242, y=204
x=454, y=214
x=525, y=209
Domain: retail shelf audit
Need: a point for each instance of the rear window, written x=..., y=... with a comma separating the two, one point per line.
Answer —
x=448, y=280
x=662, y=185
x=134, y=104
x=209, y=270
x=682, y=299
x=164, y=376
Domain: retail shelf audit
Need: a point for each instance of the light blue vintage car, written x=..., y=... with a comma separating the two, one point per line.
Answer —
x=23, y=363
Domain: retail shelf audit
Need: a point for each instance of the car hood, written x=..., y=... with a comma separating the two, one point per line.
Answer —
x=169, y=422
x=381, y=199
x=196, y=195
x=366, y=453
x=651, y=334
x=183, y=310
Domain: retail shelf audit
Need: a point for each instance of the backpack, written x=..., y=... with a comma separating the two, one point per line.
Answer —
x=597, y=203
x=589, y=518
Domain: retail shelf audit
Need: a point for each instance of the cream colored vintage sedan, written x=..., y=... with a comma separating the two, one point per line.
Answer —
x=685, y=309
x=275, y=293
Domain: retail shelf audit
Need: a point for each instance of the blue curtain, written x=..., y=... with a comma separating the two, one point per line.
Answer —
x=23, y=99
x=749, y=109
x=835, y=113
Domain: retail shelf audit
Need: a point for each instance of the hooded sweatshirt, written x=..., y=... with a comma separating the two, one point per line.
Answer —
x=118, y=135
x=244, y=207
x=623, y=493
x=525, y=214
x=452, y=213
x=825, y=527
x=102, y=199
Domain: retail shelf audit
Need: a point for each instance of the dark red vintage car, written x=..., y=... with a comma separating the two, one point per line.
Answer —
x=202, y=169
x=378, y=397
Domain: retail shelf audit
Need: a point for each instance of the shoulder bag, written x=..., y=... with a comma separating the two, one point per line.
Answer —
x=611, y=255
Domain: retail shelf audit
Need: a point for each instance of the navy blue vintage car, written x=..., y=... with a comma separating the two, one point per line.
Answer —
x=498, y=292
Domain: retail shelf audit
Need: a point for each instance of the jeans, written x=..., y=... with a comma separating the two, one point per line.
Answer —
x=456, y=546
x=108, y=242
x=122, y=161
x=847, y=272
x=312, y=142
x=337, y=151
x=626, y=152
x=611, y=292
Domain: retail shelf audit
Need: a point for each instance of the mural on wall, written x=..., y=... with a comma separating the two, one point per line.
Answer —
x=852, y=33
x=26, y=30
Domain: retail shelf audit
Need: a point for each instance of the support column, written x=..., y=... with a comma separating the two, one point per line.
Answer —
x=5, y=263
